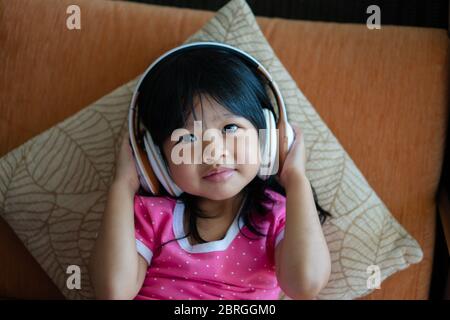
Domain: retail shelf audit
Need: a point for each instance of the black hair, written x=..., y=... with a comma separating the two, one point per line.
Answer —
x=166, y=100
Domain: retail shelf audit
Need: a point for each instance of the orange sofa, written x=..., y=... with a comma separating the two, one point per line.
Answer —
x=384, y=94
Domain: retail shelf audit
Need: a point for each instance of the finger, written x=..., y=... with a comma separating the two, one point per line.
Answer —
x=125, y=135
x=297, y=133
x=297, y=129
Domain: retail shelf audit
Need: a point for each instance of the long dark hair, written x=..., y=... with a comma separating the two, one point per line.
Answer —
x=166, y=100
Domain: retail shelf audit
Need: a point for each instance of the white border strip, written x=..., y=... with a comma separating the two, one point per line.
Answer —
x=280, y=236
x=144, y=251
x=218, y=245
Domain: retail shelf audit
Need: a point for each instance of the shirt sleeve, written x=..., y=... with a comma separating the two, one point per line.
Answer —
x=143, y=229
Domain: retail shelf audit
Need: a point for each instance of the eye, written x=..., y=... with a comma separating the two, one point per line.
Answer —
x=187, y=138
x=230, y=128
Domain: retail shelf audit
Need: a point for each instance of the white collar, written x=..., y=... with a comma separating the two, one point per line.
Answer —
x=218, y=245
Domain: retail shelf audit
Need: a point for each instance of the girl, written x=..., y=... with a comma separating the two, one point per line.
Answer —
x=229, y=235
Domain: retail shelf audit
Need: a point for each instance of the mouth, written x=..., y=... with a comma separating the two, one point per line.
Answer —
x=220, y=175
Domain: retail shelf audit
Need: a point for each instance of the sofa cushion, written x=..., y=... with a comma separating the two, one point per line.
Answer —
x=272, y=31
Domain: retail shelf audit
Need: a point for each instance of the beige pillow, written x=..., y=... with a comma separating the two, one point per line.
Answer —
x=57, y=217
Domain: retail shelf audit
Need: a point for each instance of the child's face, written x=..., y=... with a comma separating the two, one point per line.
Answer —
x=214, y=153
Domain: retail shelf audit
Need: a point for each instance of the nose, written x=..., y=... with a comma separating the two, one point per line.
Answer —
x=215, y=151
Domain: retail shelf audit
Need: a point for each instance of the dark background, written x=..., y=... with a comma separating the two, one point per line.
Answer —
x=421, y=13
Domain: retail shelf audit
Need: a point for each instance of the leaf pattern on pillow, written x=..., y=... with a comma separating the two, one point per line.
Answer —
x=53, y=188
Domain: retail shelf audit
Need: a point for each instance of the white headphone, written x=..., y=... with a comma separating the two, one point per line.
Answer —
x=150, y=166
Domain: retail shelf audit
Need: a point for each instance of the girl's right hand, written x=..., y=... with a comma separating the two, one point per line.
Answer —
x=125, y=166
x=295, y=162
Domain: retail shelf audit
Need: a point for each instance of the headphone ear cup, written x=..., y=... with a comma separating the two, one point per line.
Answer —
x=269, y=147
x=159, y=167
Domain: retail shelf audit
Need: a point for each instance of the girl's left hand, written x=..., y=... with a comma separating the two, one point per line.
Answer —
x=295, y=161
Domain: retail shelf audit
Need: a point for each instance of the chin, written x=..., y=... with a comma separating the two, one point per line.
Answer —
x=218, y=198
x=220, y=193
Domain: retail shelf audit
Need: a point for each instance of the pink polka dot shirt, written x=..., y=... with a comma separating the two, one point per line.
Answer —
x=234, y=267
